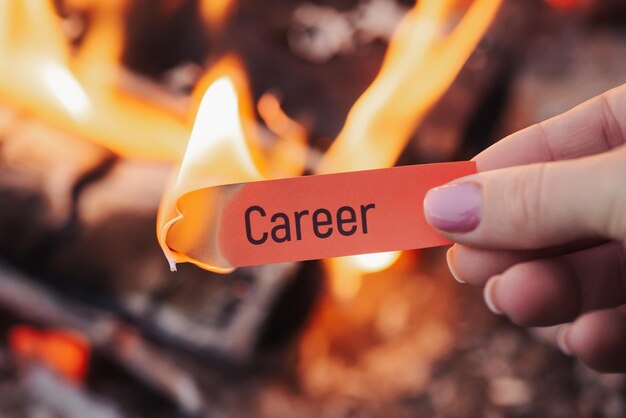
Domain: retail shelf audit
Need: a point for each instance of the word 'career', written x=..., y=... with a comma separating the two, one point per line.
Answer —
x=347, y=221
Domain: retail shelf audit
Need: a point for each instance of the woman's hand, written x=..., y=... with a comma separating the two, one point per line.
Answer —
x=543, y=228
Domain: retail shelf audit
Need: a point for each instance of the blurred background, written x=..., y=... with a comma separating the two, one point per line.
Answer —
x=97, y=99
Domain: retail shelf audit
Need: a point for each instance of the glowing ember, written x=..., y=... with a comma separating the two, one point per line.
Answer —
x=66, y=352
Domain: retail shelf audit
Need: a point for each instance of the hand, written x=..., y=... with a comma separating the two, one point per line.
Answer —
x=543, y=227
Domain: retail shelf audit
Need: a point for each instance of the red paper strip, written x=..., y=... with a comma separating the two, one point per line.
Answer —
x=332, y=215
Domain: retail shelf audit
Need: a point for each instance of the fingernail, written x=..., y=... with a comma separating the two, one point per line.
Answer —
x=562, y=339
x=489, y=293
x=450, y=260
x=454, y=207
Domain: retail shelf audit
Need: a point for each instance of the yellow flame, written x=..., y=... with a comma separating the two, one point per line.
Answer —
x=346, y=273
x=34, y=66
x=79, y=93
x=222, y=149
x=420, y=64
x=288, y=154
x=375, y=262
x=124, y=123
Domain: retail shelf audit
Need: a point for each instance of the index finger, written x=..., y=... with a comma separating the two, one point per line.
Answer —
x=595, y=126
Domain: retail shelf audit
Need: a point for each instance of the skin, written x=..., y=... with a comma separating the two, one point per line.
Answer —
x=549, y=247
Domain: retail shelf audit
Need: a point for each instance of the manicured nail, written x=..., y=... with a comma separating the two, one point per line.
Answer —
x=454, y=207
x=562, y=339
x=488, y=294
x=450, y=260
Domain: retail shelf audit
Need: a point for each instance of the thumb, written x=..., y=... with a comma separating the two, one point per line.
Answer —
x=536, y=205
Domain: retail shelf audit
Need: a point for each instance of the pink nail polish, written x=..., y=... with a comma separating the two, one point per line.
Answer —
x=454, y=207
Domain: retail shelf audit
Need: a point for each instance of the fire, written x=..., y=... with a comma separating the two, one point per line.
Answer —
x=375, y=262
x=215, y=12
x=34, y=71
x=347, y=272
x=221, y=150
x=288, y=154
x=421, y=62
x=79, y=92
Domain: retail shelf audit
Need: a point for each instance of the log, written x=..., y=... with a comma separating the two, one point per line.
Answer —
x=31, y=302
x=83, y=221
x=41, y=169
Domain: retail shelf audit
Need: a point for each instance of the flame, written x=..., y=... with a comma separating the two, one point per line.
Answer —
x=346, y=273
x=375, y=262
x=141, y=129
x=79, y=93
x=222, y=149
x=288, y=154
x=215, y=12
x=421, y=63
x=34, y=71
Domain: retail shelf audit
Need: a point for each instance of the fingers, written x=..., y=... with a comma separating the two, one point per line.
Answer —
x=547, y=291
x=476, y=265
x=598, y=339
x=534, y=206
x=535, y=293
x=588, y=129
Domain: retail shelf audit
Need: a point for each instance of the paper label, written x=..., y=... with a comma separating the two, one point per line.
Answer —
x=311, y=217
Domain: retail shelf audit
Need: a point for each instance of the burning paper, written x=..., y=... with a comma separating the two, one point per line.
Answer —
x=203, y=216
x=307, y=218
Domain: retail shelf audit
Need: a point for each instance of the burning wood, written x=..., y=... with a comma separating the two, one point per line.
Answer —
x=65, y=352
x=34, y=303
x=67, y=204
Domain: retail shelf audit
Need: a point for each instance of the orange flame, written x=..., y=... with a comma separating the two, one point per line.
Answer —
x=288, y=154
x=221, y=150
x=215, y=12
x=420, y=64
x=79, y=93
x=34, y=71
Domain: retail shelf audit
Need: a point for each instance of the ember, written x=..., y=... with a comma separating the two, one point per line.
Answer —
x=64, y=351
x=104, y=103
